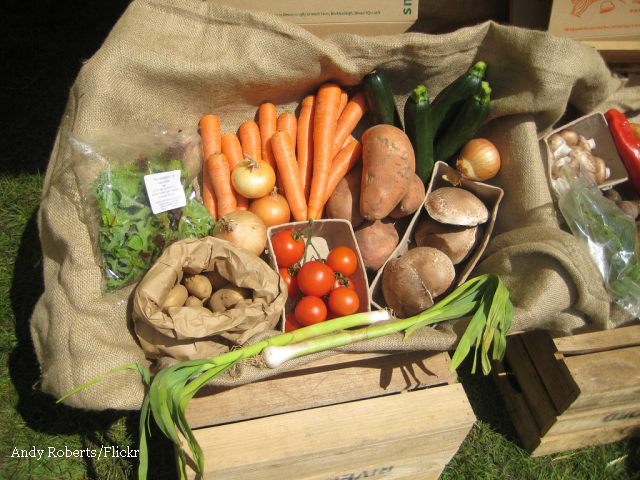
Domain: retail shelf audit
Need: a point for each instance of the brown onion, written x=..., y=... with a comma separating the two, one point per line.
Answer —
x=272, y=209
x=479, y=160
x=244, y=229
x=253, y=178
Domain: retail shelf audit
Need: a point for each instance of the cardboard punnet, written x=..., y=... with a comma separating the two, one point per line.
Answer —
x=594, y=127
x=327, y=235
x=490, y=196
x=361, y=17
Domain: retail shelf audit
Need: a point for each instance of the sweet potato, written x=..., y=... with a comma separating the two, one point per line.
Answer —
x=388, y=168
x=411, y=201
x=377, y=240
x=344, y=202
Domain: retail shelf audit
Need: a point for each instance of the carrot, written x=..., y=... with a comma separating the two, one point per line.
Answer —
x=344, y=99
x=210, y=134
x=249, y=135
x=218, y=167
x=348, y=120
x=288, y=122
x=324, y=129
x=305, y=142
x=346, y=159
x=233, y=150
x=267, y=121
x=285, y=157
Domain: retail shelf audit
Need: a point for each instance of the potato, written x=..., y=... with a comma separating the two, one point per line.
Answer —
x=412, y=282
x=376, y=240
x=411, y=201
x=388, y=168
x=193, y=302
x=228, y=297
x=344, y=202
x=198, y=285
x=176, y=297
x=217, y=280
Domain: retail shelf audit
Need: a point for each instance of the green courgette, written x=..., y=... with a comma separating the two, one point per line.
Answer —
x=417, y=124
x=448, y=102
x=464, y=126
x=380, y=99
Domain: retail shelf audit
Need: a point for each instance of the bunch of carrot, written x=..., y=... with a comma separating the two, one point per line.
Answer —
x=311, y=153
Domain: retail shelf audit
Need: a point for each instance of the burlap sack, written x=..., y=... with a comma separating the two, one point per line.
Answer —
x=180, y=59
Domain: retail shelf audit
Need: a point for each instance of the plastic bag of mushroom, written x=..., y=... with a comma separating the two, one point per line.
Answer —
x=440, y=247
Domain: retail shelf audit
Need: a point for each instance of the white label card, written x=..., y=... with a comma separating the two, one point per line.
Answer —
x=165, y=191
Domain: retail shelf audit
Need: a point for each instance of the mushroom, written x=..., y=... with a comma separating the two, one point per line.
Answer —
x=602, y=172
x=456, y=241
x=456, y=206
x=411, y=282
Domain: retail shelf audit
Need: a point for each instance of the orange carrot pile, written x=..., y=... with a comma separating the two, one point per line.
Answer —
x=310, y=152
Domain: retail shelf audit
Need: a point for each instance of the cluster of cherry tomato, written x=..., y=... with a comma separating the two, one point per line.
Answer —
x=322, y=289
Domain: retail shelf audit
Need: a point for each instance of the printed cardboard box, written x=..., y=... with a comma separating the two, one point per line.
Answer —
x=361, y=17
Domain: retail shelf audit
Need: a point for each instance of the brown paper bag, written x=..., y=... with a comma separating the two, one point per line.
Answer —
x=188, y=333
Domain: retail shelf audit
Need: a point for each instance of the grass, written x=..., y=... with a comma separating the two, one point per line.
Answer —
x=45, y=43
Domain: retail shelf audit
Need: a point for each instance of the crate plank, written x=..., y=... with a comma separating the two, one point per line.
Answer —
x=533, y=387
x=551, y=367
x=582, y=439
x=598, y=341
x=621, y=416
x=332, y=380
x=415, y=433
x=608, y=378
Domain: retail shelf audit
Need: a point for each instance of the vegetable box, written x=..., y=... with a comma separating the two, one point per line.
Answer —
x=327, y=235
x=489, y=195
x=336, y=418
x=594, y=127
x=568, y=392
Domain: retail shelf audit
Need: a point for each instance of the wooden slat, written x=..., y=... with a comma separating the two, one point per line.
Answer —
x=410, y=432
x=582, y=439
x=533, y=389
x=598, y=341
x=620, y=416
x=332, y=380
x=605, y=379
x=553, y=372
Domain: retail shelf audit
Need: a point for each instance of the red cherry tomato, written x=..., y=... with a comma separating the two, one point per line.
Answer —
x=290, y=323
x=315, y=278
x=288, y=247
x=290, y=280
x=343, y=259
x=311, y=310
x=344, y=301
x=341, y=282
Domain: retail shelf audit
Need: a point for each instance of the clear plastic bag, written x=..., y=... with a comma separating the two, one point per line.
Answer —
x=607, y=234
x=111, y=168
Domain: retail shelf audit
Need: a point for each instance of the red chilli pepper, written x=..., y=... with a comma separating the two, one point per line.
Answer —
x=626, y=143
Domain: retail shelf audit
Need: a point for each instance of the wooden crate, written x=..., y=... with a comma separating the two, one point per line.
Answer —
x=345, y=417
x=570, y=392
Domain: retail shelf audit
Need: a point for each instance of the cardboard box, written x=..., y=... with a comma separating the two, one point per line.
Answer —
x=590, y=126
x=586, y=19
x=490, y=196
x=361, y=17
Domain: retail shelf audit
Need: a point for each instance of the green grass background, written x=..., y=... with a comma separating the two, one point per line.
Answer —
x=44, y=45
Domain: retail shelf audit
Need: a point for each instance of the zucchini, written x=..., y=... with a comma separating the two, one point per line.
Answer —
x=380, y=99
x=417, y=124
x=464, y=126
x=448, y=102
